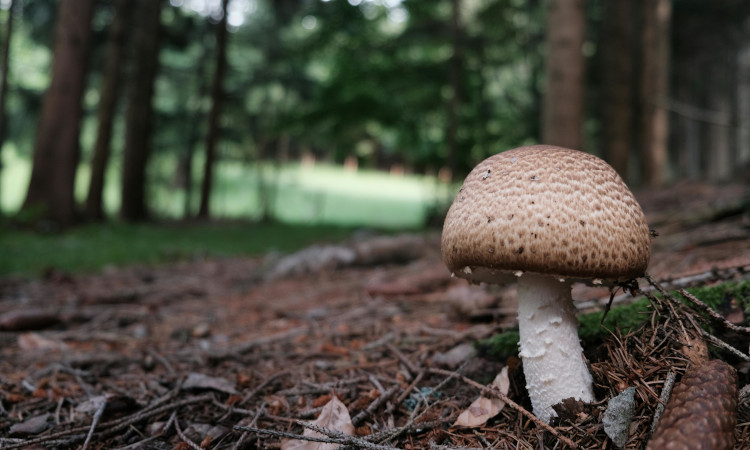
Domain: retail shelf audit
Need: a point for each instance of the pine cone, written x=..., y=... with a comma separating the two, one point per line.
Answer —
x=702, y=411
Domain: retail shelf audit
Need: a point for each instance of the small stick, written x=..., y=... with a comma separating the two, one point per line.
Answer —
x=409, y=365
x=384, y=397
x=713, y=314
x=493, y=391
x=94, y=423
x=263, y=384
x=719, y=343
x=332, y=437
x=184, y=438
x=663, y=398
x=157, y=356
x=408, y=390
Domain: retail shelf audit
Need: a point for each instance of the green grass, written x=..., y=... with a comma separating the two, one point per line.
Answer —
x=320, y=194
x=310, y=204
x=92, y=247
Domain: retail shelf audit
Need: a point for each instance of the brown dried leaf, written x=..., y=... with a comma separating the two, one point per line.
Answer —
x=483, y=408
x=334, y=416
x=200, y=381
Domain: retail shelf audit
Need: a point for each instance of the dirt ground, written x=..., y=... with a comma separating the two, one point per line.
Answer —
x=237, y=352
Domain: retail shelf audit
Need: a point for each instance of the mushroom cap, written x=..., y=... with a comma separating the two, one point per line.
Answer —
x=547, y=210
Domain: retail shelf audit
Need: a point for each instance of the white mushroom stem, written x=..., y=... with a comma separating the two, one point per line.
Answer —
x=552, y=356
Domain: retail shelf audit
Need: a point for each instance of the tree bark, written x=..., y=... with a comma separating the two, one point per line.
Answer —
x=107, y=107
x=4, y=69
x=743, y=105
x=217, y=94
x=720, y=159
x=455, y=81
x=616, y=104
x=655, y=90
x=139, y=114
x=57, y=147
x=562, y=122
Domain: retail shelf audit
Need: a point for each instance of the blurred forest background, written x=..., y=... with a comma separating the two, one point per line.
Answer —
x=364, y=112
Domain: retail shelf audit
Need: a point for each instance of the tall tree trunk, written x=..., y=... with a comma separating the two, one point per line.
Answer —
x=57, y=148
x=655, y=90
x=562, y=123
x=616, y=104
x=4, y=69
x=217, y=94
x=718, y=101
x=687, y=129
x=107, y=107
x=139, y=114
x=743, y=105
x=455, y=81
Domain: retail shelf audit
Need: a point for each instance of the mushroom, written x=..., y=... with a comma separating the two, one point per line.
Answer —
x=546, y=216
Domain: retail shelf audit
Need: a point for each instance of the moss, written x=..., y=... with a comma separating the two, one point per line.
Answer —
x=499, y=346
x=626, y=318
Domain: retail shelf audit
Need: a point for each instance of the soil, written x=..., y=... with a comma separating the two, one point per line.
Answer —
x=236, y=352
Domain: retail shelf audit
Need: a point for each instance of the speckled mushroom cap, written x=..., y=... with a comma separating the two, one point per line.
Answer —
x=549, y=210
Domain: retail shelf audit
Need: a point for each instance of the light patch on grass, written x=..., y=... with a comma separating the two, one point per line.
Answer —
x=323, y=194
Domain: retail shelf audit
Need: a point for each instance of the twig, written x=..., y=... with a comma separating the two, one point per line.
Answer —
x=157, y=356
x=718, y=318
x=331, y=437
x=113, y=426
x=493, y=391
x=184, y=438
x=163, y=430
x=719, y=343
x=401, y=357
x=94, y=423
x=375, y=344
x=663, y=398
x=262, y=385
x=408, y=390
x=374, y=405
x=414, y=416
x=259, y=342
x=253, y=422
x=348, y=440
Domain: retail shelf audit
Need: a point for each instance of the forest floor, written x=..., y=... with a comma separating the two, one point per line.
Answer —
x=240, y=352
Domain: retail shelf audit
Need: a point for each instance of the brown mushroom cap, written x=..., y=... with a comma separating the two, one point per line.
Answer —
x=545, y=209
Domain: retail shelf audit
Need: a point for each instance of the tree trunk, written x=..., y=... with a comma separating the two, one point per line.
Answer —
x=57, y=148
x=455, y=81
x=107, y=107
x=719, y=147
x=139, y=114
x=616, y=104
x=687, y=134
x=743, y=105
x=655, y=91
x=217, y=94
x=4, y=68
x=562, y=123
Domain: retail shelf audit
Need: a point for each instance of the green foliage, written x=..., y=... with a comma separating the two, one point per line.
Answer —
x=93, y=247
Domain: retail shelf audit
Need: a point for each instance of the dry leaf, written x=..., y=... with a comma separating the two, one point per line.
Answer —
x=483, y=408
x=35, y=341
x=334, y=416
x=200, y=381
